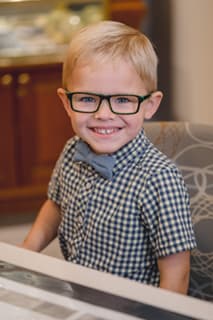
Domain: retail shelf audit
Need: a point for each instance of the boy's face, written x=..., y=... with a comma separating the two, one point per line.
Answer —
x=104, y=131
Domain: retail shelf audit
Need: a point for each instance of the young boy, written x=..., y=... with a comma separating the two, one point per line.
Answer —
x=117, y=204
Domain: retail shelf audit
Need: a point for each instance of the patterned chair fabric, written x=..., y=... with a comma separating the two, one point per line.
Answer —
x=191, y=147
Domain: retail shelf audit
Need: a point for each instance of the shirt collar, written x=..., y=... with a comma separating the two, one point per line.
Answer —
x=131, y=152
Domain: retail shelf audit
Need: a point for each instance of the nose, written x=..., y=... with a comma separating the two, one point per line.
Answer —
x=104, y=111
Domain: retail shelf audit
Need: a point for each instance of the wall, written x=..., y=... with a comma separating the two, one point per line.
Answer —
x=159, y=32
x=192, y=60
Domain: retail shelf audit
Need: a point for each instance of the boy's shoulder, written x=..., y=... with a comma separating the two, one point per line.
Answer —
x=67, y=152
x=70, y=145
x=154, y=161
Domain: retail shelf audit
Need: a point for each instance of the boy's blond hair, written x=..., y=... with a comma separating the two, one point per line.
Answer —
x=110, y=41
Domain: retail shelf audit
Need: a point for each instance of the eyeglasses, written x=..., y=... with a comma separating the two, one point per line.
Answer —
x=88, y=102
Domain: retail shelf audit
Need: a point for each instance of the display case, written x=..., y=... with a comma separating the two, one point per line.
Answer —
x=44, y=27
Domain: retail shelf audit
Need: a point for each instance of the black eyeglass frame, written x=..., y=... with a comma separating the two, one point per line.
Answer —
x=107, y=97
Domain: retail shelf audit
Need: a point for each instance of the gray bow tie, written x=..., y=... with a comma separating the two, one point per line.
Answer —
x=103, y=164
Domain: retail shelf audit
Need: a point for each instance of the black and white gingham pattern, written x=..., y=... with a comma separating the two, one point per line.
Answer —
x=122, y=226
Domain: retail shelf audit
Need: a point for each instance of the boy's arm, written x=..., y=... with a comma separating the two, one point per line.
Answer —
x=174, y=272
x=45, y=227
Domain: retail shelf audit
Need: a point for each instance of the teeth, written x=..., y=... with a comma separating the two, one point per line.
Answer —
x=104, y=131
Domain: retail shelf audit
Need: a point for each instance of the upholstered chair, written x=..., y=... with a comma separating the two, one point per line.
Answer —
x=191, y=147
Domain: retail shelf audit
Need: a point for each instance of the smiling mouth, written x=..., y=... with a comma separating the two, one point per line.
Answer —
x=106, y=131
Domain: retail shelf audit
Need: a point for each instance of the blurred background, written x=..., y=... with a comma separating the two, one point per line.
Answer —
x=33, y=39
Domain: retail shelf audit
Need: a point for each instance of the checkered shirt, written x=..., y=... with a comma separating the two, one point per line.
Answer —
x=123, y=225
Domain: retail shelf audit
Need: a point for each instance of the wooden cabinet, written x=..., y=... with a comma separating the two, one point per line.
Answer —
x=131, y=12
x=7, y=142
x=33, y=130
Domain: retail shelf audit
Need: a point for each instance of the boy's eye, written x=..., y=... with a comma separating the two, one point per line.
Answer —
x=86, y=99
x=122, y=99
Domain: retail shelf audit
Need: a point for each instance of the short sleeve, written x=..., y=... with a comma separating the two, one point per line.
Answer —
x=166, y=208
x=56, y=181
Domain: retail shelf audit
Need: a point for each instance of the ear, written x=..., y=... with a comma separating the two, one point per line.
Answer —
x=152, y=104
x=65, y=101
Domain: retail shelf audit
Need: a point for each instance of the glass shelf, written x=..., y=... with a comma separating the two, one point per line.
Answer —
x=42, y=27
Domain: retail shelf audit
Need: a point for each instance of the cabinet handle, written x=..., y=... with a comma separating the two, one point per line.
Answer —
x=23, y=78
x=6, y=79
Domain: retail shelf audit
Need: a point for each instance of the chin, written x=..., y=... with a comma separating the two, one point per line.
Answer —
x=105, y=150
x=105, y=147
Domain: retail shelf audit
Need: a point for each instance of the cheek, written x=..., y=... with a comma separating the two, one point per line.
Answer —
x=135, y=121
x=78, y=120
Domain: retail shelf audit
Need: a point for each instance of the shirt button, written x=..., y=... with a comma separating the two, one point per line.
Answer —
x=88, y=185
x=80, y=219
